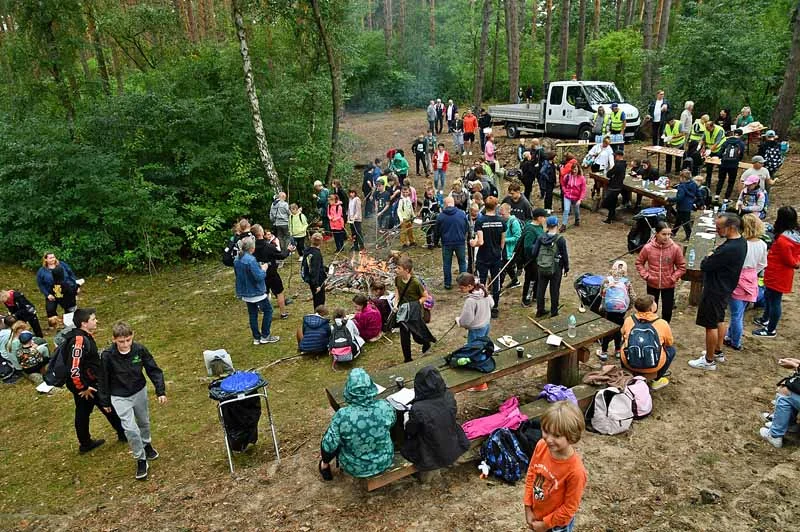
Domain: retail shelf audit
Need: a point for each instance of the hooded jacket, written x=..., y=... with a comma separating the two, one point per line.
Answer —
x=45, y=281
x=477, y=310
x=359, y=432
x=369, y=321
x=336, y=216
x=573, y=186
x=279, y=213
x=433, y=437
x=399, y=164
x=316, y=332
x=782, y=262
x=661, y=265
x=684, y=199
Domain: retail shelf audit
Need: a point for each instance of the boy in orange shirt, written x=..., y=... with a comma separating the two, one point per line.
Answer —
x=646, y=308
x=556, y=476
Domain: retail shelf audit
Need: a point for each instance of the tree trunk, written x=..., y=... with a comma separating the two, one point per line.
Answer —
x=492, y=92
x=481, y=70
x=336, y=87
x=618, y=16
x=370, y=12
x=62, y=89
x=401, y=27
x=201, y=19
x=784, y=109
x=596, y=31
x=255, y=110
x=98, y=48
x=581, y=39
x=548, y=45
x=630, y=7
x=534, y=19
x=116, y=60
x=647, y=46
x=190, y=22
x=663, y=32
x=84, y=61
x=432, y=22
x=564, y=40
x=657, y=19
x=387, y=28
x=512, y=46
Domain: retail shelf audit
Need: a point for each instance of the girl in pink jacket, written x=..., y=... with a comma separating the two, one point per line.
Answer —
x=661, y=264
x=573, y=189
x=336, y=219
x=367, y=318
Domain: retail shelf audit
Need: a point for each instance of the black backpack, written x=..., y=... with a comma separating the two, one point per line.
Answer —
x=644, y=346
x=477, y=355
x=7, y=371
x=57, y=371
x=229, y=252
x=341, y=344
x=305, y=268
x=528, y=435
x=731, y=153
x=502, y=453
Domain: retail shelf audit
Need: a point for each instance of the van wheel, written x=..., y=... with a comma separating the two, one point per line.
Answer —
x=511, y=131
x=585, y=132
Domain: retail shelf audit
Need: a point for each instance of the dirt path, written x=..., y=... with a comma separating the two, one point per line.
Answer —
x=702, y=433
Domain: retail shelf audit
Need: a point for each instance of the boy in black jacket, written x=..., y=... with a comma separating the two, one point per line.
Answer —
x=312, y=270
x=22, y=309
x=84, y=375
x=122, y=386
x=616, y=176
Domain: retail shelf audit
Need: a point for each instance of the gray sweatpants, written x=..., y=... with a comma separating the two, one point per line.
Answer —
x=135, y=417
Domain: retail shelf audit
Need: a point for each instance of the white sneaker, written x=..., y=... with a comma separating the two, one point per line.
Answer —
x=793, y=429
x=718, y=357
x=766, y=417
x=270, y=339
x=257, y=341
x=775, y=442
x=702, y=363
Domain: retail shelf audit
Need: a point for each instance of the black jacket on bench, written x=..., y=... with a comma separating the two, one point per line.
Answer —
x=434, y=438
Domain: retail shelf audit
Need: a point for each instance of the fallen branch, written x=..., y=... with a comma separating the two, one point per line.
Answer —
x=274, y=362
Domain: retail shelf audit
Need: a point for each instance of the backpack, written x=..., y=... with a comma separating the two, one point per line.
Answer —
x=477, y=355
x=528, y=435
x=548, y=257
x=30, y=357
x=731, y=153
x=703, y=198
x=229, y=252
x=642, y=402
x=617, y=298
x=305, y=268
x=6, y=370
x=502, y=453
x=57, y=370
x=341, y=344
x=644, y=346
x=611, y=412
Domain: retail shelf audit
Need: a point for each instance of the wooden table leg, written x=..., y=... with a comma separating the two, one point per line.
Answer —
x=564, y=370
x=695, y=290
x=583, y=354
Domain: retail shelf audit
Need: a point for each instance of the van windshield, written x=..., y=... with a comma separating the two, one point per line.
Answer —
x=603, y=94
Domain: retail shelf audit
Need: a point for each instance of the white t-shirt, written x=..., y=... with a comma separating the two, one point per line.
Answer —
x=762, y=173
x=657, y=111
x=603, y=157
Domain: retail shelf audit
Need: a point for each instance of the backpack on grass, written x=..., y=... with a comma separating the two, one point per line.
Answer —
x=341, y=344
x=644, y=346
x=502, y=453
x=548, y=258
x=611, y=411
x=6, y=370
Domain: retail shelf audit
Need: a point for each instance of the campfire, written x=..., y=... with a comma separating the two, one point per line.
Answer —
x=360, y=272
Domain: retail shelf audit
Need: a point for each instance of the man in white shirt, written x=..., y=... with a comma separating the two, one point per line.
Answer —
x=658, y=111
x=601, y=157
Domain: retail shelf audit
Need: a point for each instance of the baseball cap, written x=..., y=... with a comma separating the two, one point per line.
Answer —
x=552, y=221
x=751, y=180
x=757, y=159
x=25, y=337
x=770, y=133
x=539, y=213
x=614, y=104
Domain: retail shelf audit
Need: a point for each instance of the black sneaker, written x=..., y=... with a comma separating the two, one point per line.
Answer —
x=495, y=313
x=758, y=321
x=149, y=452
x=141, y=469
x=93, y=444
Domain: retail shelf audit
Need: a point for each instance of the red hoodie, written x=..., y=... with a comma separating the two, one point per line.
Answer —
x=665, y=264
x=783, y=260
x=445, y=160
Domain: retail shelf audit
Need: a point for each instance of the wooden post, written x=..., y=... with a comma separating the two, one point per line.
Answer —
x=695, y=289
x=564, y=370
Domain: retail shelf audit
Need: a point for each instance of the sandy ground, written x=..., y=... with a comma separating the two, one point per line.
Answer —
x=702, y=433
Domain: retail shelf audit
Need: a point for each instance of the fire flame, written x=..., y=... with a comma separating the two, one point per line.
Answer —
x=368, y=264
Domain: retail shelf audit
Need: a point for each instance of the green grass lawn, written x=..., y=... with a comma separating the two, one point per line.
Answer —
x=177, y=313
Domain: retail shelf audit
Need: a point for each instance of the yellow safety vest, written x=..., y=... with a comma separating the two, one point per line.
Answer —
x=713, y=134
x=617, y=125
x=697, y=130
x=673, y=132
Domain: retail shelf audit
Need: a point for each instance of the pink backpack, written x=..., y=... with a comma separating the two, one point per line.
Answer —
x=642, y=402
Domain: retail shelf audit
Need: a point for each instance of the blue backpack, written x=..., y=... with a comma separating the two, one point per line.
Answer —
x=477, y=355
x=502, y=453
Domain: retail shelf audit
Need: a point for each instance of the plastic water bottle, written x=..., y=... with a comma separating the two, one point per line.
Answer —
x=572, y=330
x=690, y=258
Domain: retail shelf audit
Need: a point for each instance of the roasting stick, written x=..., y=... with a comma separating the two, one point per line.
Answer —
x=548, y=331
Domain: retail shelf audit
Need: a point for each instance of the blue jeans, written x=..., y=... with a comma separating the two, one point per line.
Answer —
x=447, y=261
x=568, y=204
x=266, y=322
x=772, y=308
x=487, y=272
x=567, y=528
x=670, y=352
x=786, y=408
x=439, y=179
x=737, y=308
x=473, y=334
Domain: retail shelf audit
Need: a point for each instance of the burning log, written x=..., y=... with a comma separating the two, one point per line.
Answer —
x=358, y=274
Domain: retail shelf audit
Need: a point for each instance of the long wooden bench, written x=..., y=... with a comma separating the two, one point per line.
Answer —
x=402, y=468
x=562, y=361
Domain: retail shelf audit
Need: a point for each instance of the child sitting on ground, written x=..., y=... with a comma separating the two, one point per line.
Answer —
x=382, y=301
x=787, y=405
x=556, y=477
x=33, y=356
x=367, y=318
x=345, y=342
x=637, y=326
x=314, y=333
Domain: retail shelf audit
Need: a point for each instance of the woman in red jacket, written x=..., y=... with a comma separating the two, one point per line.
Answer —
x=661, y=264
x=782, y=261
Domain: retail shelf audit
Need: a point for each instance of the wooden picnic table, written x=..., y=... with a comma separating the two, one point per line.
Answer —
x=702, y=247
x=678, y=152
x=659, y=196
x=562, y=361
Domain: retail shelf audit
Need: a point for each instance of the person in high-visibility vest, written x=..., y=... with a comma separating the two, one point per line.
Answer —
x=713, y=137
x=674, y=138
x=698, y=128
x=616, y=124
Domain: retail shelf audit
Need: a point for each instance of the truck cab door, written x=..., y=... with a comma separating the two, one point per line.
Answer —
x=556, y=118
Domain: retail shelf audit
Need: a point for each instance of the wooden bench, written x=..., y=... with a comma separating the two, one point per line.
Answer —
x=402, y=468
x=562, y=362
